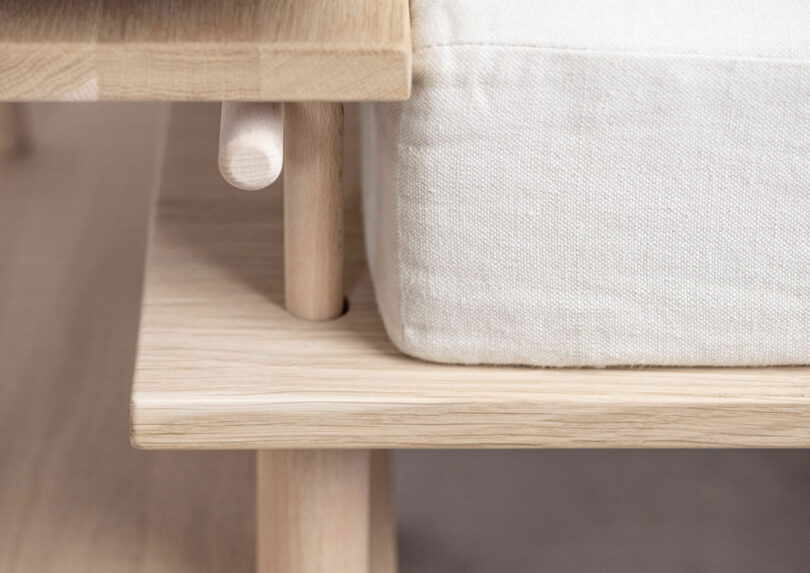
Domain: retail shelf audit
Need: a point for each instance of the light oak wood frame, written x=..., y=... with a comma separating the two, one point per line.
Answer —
x=246, y=374
x=250, y=375
x=320, y=510
x=335, y=505
x=242, y=50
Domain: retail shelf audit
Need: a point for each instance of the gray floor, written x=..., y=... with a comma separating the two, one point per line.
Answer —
x=605, y=511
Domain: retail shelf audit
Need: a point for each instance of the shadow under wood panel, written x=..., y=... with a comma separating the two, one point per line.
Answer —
x=74, y=497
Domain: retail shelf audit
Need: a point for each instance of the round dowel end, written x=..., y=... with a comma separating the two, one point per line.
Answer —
x=250, y=165
x=251, y=144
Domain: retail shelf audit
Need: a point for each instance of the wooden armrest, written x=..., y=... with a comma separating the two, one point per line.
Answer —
x=262, y=50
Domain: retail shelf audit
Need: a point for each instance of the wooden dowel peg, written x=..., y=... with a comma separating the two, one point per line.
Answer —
x=313, y=210
x=251, y=148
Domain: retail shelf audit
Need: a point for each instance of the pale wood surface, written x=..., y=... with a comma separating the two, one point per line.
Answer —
x=313, y=509
x=222, y=365
x=313, y=210
x=251, y=143
x=74, y=497
x=262, y=50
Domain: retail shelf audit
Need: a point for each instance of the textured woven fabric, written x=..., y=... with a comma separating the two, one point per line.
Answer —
x=596, y=182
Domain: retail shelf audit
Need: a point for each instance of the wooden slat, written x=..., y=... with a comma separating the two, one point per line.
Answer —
x=264, y=50
x=222, y=365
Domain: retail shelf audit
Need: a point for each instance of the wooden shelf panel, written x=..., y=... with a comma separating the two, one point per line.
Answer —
x=222, y=365
x=265, y=50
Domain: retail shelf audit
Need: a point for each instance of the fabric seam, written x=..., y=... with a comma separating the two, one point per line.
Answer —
x=625, y=53
x=398, y=254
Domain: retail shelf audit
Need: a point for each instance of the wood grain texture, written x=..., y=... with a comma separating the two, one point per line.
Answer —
x=223, y=365
x=74, y=497
x=313, y=210
x=325, y=510
x=313, y=509
x=259, y=50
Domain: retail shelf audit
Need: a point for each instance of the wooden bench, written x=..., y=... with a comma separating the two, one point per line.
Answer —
x=222, y=364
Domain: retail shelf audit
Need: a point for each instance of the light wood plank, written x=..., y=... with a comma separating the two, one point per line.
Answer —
x=74, y=497
x=223, y=365
x=260, y=50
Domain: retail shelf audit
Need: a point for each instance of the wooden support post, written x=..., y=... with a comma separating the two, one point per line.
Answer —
x=313, y=511
x=313, y=210
x=14, y=136
x=325, y=511
x=320, y=511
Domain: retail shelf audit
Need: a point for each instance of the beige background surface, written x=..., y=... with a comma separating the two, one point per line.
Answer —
x=75, y=497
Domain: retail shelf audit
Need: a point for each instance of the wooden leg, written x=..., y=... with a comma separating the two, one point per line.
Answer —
x=313, y=509
x=325, y=511
x=14, y=136
x=320, y=511
x=313, y=209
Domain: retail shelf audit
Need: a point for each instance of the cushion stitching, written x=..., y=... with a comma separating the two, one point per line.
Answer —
x=625, y=53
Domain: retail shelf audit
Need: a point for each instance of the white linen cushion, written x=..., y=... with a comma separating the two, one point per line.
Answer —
x=595, y=183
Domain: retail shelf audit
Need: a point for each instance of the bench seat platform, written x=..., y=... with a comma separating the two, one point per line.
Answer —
x=221, y=364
